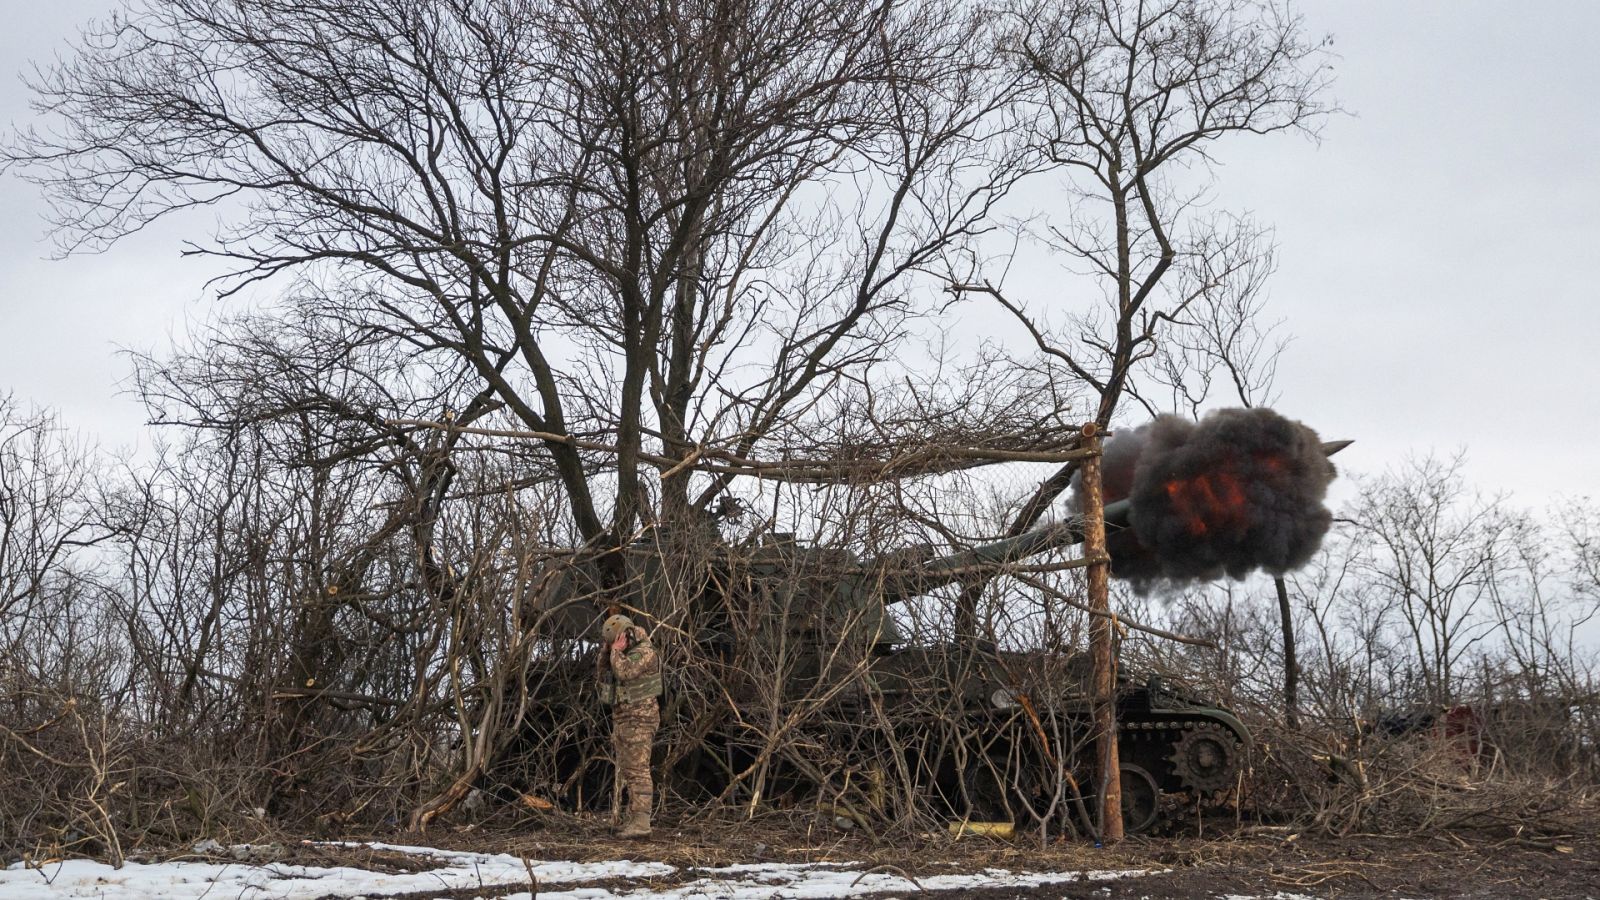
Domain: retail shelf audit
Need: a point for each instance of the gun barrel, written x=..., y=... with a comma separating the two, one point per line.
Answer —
x=986, y=558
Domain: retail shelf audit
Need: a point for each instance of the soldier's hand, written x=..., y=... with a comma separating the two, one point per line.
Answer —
x=621, y=643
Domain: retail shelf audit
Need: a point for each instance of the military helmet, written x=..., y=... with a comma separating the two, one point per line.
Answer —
x=613, y=627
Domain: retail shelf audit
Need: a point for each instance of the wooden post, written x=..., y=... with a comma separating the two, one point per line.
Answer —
x=1109, y=768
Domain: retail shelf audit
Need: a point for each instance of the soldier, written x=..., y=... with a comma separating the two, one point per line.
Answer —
x=630, y=680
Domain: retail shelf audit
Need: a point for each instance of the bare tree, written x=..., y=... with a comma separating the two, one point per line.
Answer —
x=47, y=515
x=1436, y=549
x=1126, y=100
x=606, y=218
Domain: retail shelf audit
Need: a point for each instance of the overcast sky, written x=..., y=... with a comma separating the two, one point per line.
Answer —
x=1436, y=248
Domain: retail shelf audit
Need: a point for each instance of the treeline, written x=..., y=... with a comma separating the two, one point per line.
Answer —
x=221, y=639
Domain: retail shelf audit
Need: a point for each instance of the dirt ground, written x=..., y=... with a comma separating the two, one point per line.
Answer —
x=1254, y=865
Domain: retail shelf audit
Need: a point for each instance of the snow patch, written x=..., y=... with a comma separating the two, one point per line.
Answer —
x=186, y=880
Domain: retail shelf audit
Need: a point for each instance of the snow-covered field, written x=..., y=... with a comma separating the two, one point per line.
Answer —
x=194, y=880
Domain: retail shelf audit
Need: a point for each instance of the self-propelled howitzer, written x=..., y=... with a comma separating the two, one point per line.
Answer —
x=767, y=632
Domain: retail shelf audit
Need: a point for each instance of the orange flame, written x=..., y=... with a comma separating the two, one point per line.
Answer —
x=1216, y=499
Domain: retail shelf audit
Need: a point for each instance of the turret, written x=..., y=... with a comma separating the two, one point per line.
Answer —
x=1240, y=491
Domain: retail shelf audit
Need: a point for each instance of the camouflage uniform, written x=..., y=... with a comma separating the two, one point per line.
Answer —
x=635, y=716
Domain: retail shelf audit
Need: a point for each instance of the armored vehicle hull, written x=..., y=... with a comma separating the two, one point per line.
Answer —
x=969, y=733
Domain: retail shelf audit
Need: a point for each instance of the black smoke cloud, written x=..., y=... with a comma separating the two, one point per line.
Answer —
x=1238, y=491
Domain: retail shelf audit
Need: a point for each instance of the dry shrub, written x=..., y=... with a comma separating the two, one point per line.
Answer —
x=67, y=774
x=1427, y=780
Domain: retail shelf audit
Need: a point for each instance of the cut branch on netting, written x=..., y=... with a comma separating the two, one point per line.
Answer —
x=924, y=460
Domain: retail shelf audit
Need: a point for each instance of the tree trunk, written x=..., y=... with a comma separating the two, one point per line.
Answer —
x=1291, y=666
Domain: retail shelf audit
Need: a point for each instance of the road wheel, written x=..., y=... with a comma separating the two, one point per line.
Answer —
x=1141, y=799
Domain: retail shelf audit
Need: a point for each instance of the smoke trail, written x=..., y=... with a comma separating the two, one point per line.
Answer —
x=1238, y=491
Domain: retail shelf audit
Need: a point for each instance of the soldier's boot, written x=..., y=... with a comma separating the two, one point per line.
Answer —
x=637, y=824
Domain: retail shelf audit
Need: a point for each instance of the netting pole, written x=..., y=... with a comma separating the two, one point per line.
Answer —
x=1100, y=639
